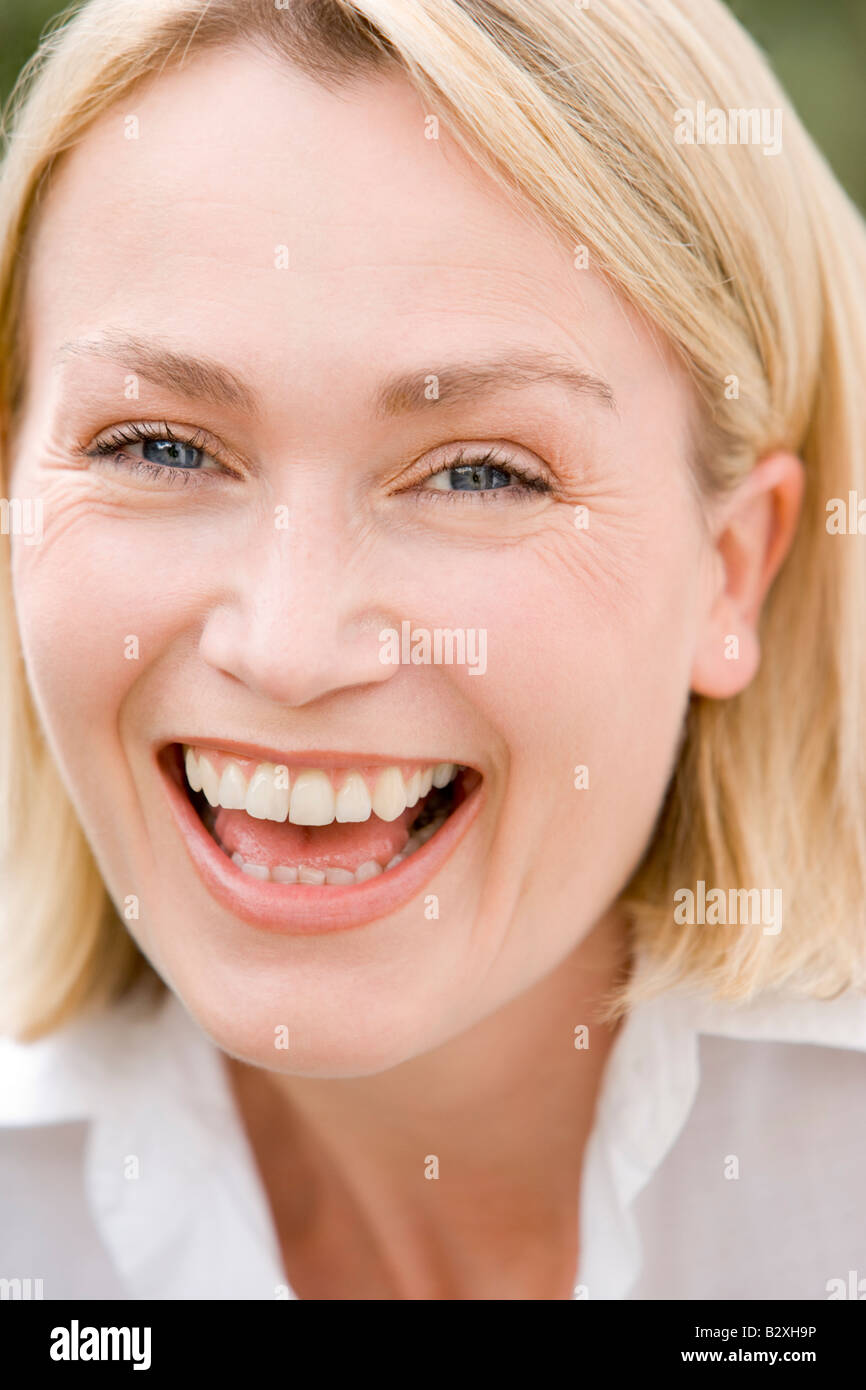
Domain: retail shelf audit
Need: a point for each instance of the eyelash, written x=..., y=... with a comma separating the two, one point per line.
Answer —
x=109, y=448
x=528, y=483
x=134, y=433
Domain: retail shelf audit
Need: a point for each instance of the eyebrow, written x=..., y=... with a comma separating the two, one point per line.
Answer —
x=417, y=391
x=411, y=392
x=199, y=378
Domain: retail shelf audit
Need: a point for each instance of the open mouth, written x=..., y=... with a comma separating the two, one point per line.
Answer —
x=314, y=825
x=278, y=840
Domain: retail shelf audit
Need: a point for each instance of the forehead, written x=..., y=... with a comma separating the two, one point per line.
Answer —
x=237, y=203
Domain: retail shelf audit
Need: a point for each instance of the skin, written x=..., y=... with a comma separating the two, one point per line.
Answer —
x=409, y=1037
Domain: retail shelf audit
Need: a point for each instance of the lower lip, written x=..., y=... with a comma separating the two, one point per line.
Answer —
x=310, y=909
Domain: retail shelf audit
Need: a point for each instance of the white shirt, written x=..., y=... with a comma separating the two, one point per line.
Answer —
x=727, y=1159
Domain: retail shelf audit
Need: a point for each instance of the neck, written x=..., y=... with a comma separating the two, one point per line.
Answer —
x=474, y=1145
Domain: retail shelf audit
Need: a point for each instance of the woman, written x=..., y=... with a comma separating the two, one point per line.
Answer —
x=433, y=788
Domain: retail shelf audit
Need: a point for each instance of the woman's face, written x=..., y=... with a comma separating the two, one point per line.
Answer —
x=230, y=592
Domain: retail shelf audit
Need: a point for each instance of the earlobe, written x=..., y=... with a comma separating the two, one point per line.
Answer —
x=754, y=531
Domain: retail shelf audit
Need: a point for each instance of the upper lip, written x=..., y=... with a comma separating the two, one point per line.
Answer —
x=311, y=757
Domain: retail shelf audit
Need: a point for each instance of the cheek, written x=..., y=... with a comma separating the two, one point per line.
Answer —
x=98, y=602
x=589, y=634
x=590, y=638
x=70, y=596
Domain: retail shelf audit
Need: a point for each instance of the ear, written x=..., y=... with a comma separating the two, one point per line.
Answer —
x=752, y=532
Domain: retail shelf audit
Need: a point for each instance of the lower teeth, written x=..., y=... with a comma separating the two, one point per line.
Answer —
x=302, y=873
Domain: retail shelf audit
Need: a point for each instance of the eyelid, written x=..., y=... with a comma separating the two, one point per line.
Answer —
x=112, y=439
x=529, y=477
x=496, y=454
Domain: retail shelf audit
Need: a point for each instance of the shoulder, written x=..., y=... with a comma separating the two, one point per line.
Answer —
x=837, y=1023
x=758, y=1192
x=66, y=1076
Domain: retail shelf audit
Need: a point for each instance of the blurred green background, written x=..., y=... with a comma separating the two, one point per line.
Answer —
x=818, y=52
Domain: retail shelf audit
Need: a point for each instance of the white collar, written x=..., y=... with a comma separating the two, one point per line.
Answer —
x=649, y=1088
x=155, y=1089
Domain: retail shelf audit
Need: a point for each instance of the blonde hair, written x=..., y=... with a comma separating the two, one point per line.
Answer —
x=754, y=269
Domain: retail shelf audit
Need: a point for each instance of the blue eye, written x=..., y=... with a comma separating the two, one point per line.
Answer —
x=470, y=477
x=486, y=474
x=164, y=456
x=174, y=453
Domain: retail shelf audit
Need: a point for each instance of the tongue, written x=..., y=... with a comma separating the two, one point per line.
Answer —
x=336, y=846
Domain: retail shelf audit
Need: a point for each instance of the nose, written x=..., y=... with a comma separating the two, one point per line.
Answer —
x=293, y=619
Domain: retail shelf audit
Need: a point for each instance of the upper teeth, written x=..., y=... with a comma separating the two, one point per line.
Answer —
x=309, y=796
